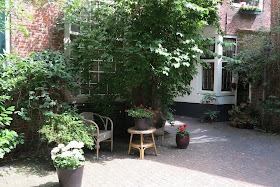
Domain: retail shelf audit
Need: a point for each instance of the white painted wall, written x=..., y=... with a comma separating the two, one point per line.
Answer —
x=224, y=97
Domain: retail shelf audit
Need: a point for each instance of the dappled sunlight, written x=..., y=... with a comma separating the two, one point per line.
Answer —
x=207, y=139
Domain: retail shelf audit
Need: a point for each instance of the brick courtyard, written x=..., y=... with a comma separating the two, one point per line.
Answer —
x=218, y=155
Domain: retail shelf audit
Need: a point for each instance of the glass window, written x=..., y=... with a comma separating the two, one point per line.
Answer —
x=229, y=48
x=2, y=33
x=208, y=77
x=211, y=47
x=226, y=78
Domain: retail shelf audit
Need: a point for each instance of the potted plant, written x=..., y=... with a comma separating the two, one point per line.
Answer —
x=249, y=9
x=233, y=85
x=242, y=116
x=69, y=163
x=141, y=116
x=182, y=137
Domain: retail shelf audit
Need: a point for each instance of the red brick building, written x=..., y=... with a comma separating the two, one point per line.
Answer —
x=41, y=33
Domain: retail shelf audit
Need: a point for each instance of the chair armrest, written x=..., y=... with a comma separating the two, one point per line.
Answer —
x=90, y=122
x=105, y=120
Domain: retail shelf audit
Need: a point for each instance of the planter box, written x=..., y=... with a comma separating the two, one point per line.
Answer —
x=251, y=12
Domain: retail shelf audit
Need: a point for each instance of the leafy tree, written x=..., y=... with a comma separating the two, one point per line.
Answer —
x=148, y=49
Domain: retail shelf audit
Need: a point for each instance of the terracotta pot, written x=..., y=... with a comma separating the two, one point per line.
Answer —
x=142, y=124
x=70, y=178
x=241, y=125
x=249, y=126
x=233, y=123
x=182, y=141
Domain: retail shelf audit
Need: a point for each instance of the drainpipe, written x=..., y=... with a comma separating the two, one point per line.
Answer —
x=226, y=25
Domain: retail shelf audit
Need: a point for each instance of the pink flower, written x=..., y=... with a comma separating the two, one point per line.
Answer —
x=141, y=105
x=125, y=110
x=155, y=115
x=134, y=106
x=150, y=108
x=157, y=111
x=155, y=121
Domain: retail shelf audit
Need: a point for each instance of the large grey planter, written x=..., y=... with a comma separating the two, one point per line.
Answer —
x=70, y=178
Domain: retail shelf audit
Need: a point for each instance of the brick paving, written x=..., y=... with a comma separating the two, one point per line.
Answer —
x=218, y=155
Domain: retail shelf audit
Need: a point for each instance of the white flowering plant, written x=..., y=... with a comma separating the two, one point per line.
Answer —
x=70, y=156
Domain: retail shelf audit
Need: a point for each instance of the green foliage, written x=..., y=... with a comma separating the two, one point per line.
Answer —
x=37, y=86
x=37, y=83
x=250, y=8
x=5, y=112
x=69, y=156
x=141, y=112
x=63, y=128
x=210, y=115
x=148, y=49
x=254, y=57
x=272, y=105
x=9, y=139
x=242, y=109
x=208, y=97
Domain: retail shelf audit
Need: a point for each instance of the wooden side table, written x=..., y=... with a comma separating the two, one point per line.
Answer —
x=141, y=144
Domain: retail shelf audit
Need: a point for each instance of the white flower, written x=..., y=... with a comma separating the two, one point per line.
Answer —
x=55, y=150
x=72, y=144
x=66, y=154
x=177, y=65
x=79, y=155
x=80, y=145
x=60, y=146
x=64, y=149
x=75, y=151
x=53, y=157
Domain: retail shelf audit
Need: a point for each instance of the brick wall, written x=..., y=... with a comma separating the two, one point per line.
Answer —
x=42, y=33
x=232, y=21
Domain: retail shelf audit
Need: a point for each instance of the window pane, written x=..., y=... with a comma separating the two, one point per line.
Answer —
x=94, y=78
x=94, y=66
x=210, y=47
x=75, y=28
x=226, y=78
x=208, y=77
x=229, y=51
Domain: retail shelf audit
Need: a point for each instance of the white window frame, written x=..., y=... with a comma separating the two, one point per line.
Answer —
x=209, y=61
x=7, y=31
x=225, y=61
x=238, y=5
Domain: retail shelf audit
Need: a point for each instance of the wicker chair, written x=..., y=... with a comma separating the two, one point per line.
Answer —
x=102, y=133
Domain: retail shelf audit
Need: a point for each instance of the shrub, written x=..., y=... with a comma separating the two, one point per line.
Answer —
x=66, y=127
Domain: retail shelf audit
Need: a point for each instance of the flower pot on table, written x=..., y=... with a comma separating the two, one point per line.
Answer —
x=70, y=178
x=142, y=124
